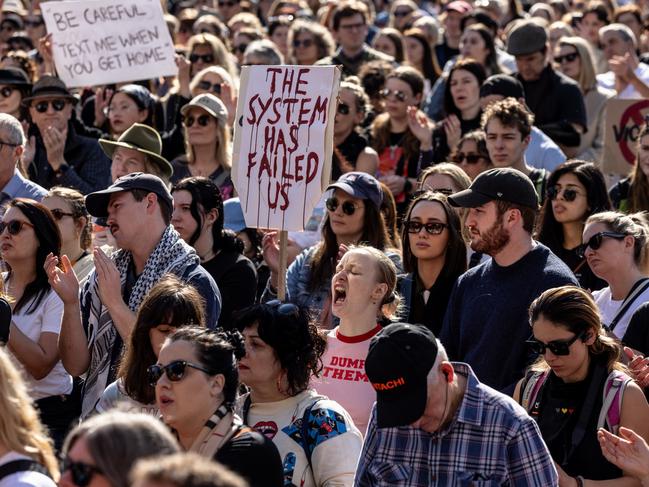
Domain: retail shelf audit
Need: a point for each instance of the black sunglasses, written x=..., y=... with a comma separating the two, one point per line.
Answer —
x=306, y=43
x=6, y=91
x=433, y=228
x=227, y=4
x=14, y=227
x=81, y=473
x=58, y=105
x=557, y=347
x=175, y=371
x=566, y=57
x=207, y=86
x=286, y=309
x=206, y=58
x=203, y=120
x=343, y=108
x=58, y=214
x=402, y=13
x=469, y=158
x=399, y=95
x=348, y=207
x=241, y=48
x=568, y=193
x=596, y=240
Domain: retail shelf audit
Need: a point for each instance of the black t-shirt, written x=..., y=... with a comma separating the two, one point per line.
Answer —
x=637, y=334
x=350, y=148
x=428, y=313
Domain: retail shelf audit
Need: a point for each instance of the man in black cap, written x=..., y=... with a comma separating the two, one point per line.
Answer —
x=541, y=152
x=461, y=430
x=138, y=209
x=56, y=155
x=486, y=322
x=555, y=99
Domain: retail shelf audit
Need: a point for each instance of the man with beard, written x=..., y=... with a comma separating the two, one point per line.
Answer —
x=486, y=322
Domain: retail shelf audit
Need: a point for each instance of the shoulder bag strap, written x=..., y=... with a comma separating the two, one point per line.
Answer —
x=637, y=289
x=22, y=466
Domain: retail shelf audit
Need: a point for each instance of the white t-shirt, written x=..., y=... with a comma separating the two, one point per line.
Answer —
x=44, y=319
x=609, y=307
x=23, y=479
x=607, y=80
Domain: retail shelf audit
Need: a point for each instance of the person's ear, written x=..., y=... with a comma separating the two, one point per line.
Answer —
x=80, y=223
x=211, y=216
x=379, y=292
x=448, y=371
x=217, y=383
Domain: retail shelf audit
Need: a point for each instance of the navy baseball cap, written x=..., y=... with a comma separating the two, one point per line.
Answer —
x=397, y=365
x=97, y=202
x=499, y=184
x=360, y=185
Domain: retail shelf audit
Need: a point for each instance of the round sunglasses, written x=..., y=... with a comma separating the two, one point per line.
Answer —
x=202, y=120
x=58, y=214
x=6, y=91
x=174, y=371
x=595, y=242
x=469, y=158
x=207, y=86
x=399, y=95
x=81, y=472
x=343, y=108
x=569, y=194
x=348, y=207
x=306, y=43
x=58, y=105
x=566, y=57
x=433, y=228
x=14, y=227
x=557, y=347
x=206, y=58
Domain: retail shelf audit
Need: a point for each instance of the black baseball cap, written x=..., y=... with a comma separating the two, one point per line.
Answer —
x=360, y=185
x=499, y=184
x=97, y=202
x=503, y=85
x=397, y=365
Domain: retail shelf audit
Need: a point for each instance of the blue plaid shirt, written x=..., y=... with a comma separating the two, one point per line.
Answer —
x=490, y=441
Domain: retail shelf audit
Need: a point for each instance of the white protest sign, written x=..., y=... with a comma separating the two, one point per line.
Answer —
x=283, y=142
x=109, y=41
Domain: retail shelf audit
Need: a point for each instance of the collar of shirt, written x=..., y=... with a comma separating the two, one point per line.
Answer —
x=471, y=407
x=14, y=185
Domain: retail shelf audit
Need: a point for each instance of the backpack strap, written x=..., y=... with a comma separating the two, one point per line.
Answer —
x=22, y=466
x=611, y=411
x=530, y=389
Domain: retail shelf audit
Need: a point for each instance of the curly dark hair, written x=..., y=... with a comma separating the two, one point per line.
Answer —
x=296, y=340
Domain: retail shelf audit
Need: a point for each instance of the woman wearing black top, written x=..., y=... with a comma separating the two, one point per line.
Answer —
x=196, y=382
x=198, y=218
x=434, y=255
x=576, y=190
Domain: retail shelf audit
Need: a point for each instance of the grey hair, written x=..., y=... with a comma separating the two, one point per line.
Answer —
x=622, y=30
x=442, y=356
x=265, y=50
x=13, y=128
x=117, y=439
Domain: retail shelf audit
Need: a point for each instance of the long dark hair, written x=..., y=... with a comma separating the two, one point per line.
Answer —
x=206, y=197
x=171, y=302
x=375, y=234
x=429, y=67
x=455, y=259
x=550, y=231
x=49, y=241
x=473, y=67
x=491, y=61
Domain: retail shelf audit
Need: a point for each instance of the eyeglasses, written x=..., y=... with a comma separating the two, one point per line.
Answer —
x=402, y=13
x=595, y=242
x=241, y=48
x=206, y=58
x=343, y=108
x=433, y=228
x=207, y=86
x=203, y=121
x=566, y=57
x=175, y=371
x=227, y=4
x=81, y=473
x=306, y=43
x=33, y=23
x=9, y=144
x=6, y=91
x=14, y=227
x=399, y=95
x=58, y=105
x=348, y=207
x=557, y=347
x=469, y=158
x=568, y=193
x=286, y=309
x=58, y=214
x=353, y=26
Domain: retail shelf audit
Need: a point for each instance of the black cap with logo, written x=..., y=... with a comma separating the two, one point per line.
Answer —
x=504, y=184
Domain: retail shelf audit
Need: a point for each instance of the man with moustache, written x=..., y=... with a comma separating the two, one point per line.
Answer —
x=486, y=323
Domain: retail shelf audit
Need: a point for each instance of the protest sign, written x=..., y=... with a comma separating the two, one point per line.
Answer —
x=283, y=142
x=109, y=41
x=624, y=119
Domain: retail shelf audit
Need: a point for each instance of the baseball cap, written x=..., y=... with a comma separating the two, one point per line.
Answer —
x=526, y=38
x=97, y=202
x=233, y=215
x=503, y=85
x=211, y=104
x=397, y=365
x=360, y=185
x=503, y=184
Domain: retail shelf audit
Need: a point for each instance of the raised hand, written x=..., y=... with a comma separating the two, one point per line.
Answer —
x=62, y=278
x=108, y=279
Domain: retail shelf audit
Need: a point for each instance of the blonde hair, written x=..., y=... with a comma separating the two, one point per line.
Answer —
x=21, y=430
x=222, y=152
x=587, y=80
x=459, y=177
x=219, y=71
x=634, y=224
x=219, y=51
x=77, y=204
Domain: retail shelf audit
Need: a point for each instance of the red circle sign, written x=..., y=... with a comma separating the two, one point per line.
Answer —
x=632, y=113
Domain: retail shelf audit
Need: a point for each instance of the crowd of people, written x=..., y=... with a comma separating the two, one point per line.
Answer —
x=468, y=305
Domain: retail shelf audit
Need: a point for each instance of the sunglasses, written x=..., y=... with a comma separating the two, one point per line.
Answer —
x=58, y=105
x=595, y=242
x=306, y=43
x=348, y=207
x=33, y=23
x=568, y=194
x=286, y=309
x=399, y=95
x=206, y=58
x=241, y=48
x=6, y=91
x=557, y=347
x=175, y=371
x=433, y=228
x=203, y=120
x=402, y=13
x=207, y=86
x=14, y=227
x=58, y=214
x=469, y=158
x=567, y=57
x=227, y=4
x=81, y=473
x=343, y=108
